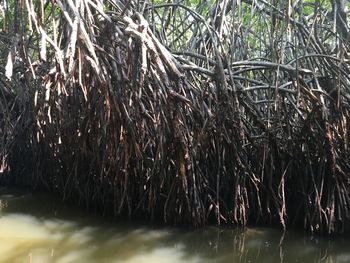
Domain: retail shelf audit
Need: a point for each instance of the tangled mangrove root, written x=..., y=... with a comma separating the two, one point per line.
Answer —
x=175, y=114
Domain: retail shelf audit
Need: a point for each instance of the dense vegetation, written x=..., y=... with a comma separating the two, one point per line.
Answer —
x=188, y=112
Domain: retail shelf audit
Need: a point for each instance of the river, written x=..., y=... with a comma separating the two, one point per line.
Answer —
x=38, y=228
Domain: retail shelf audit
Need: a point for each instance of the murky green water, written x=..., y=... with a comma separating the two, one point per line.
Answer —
x=37, y=228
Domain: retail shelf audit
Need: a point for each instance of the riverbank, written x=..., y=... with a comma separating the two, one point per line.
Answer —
x=183, y=126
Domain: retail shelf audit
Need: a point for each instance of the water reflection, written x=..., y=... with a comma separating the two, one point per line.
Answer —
x=36, y=228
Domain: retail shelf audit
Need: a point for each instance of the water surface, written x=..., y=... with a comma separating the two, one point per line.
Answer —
x=39, y=228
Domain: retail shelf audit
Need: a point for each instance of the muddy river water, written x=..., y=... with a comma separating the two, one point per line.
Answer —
x=39, y=228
